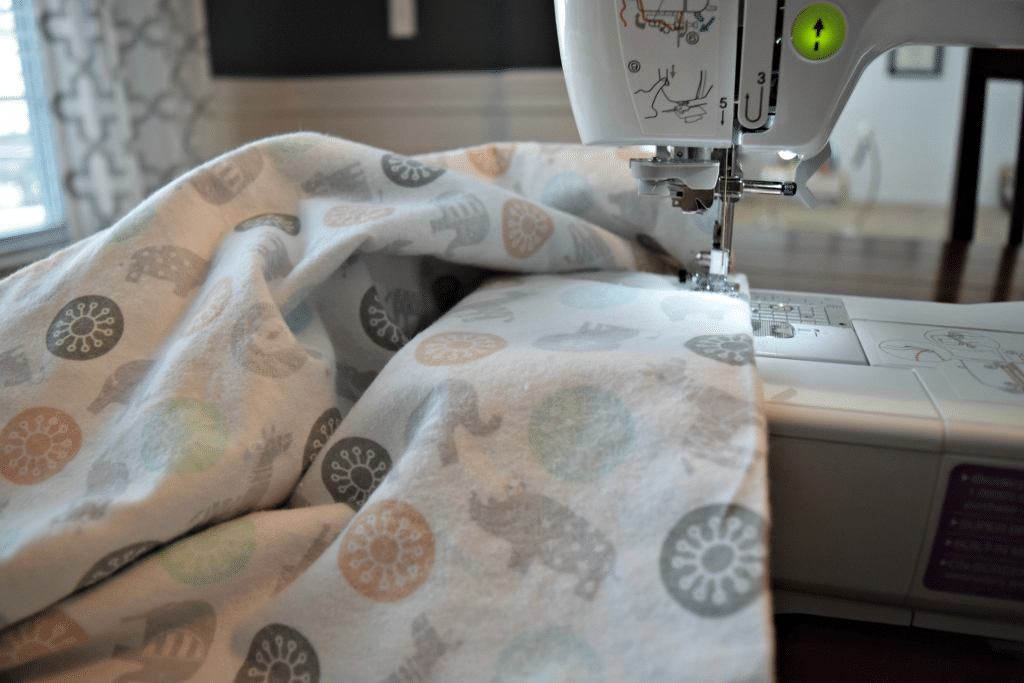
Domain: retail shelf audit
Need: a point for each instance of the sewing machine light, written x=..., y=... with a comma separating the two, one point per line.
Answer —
x=786, y=155
x=819, y=31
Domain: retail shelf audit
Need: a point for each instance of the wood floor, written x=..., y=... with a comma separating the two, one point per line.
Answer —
x=780, y=246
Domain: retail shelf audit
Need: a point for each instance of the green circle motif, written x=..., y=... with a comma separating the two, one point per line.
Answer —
x=819, y=31
x=212, y=556
x=581, y=433
x=184, y=436
x=548, y=654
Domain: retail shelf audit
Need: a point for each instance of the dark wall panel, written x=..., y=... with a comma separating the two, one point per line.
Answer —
x=321, y=37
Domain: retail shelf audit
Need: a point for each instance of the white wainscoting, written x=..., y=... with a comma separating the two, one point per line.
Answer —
x=407, y=113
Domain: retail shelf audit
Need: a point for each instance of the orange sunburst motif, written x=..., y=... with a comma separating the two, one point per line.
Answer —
x=457, y=348
x=49, y=632
x=37, y=443
x=525, y=228
x=388, y=551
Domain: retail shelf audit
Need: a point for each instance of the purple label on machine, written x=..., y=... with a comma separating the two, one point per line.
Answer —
x=979, y=545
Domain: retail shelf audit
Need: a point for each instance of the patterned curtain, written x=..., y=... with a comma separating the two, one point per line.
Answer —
x=129, y=84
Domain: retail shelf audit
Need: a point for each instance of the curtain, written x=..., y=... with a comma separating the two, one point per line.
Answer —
x=129, y=88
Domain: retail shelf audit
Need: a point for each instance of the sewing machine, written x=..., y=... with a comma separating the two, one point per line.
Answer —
x=896, y=451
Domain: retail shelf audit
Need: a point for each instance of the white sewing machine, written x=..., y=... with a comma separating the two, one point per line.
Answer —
x=896, y=452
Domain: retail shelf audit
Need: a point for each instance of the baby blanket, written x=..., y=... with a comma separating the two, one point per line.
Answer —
x=261, y=430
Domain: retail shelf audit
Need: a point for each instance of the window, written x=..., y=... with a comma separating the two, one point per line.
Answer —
x=31, y=216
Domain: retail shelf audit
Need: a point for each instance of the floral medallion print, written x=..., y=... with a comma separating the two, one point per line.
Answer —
x=37, y=443
x=212, y=556
x=457, y=348
x=377, y=324
x=353, y=468
x=279, y=654
x=581, y=433
x=183, y=435
x=387, y=551
x=263, y=344
x=322, y=430
x=114, y=562
x=408, y=172
x=525, y=227
x=344, y=215
x=731, y=349
x=548, y=654
x=493, y=160
x=712, y=561
x=85, y=328
x=282, y=221
x=38, y=636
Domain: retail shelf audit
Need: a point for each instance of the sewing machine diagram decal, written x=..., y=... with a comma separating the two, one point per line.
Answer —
x=993, y=359
x=687, y=19
x=689, y=110
x=678, y=64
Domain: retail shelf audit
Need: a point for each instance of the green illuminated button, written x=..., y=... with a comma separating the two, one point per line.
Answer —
x=819, y=31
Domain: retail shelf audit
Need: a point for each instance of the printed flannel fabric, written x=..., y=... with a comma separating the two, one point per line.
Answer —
x=319, y=412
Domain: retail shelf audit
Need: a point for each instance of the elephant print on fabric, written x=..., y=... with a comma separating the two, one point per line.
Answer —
x=353, y=468
x=465, y=215
x=290, y=572
x=488, y=309
x=212, y=305
x=321, y=431
x=38, y=443
x=408, y=172
x=387, y=551
x=552, y=653
x=492, y=161
x=430, y=648
x=350, y=383
x=226, y=179
x=119, y=386
x=348, y=182
x=39, y=636
x=525, y=227
x=14, y=368
x=261, y=455
x=541, y=529
x=262, y=343
x=276, y=263
x=600, y=337
x=286, y=223
x=176, y=640
x=86, y=328
x=731, y=349
x=713, y=559
x=279, y=654
x=114, y=562
x=451, y=404
x=174, y=264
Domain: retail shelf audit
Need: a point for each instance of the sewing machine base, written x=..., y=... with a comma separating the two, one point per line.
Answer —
x=896, y=459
